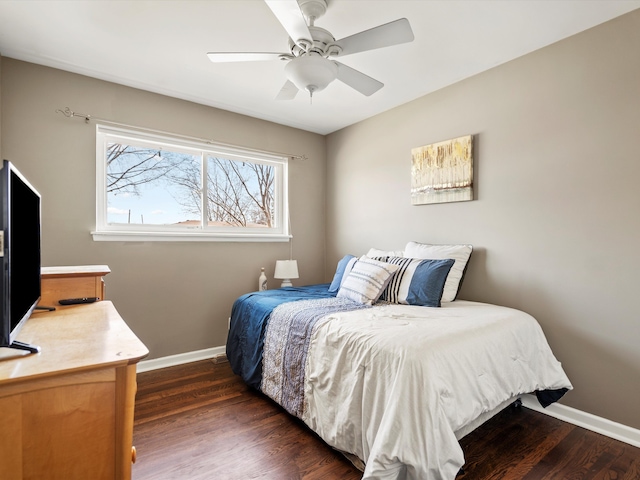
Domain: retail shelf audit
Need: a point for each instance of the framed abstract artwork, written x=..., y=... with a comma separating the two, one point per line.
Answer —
x=442, y=172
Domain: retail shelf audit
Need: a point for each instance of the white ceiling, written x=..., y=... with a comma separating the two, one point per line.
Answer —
x=161, y=46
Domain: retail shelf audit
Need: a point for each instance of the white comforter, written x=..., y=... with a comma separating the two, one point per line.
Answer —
x=392, y=384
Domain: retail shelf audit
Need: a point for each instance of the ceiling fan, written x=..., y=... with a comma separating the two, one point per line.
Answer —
x=310, y=64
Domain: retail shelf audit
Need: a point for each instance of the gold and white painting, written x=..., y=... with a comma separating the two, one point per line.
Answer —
x=442, y=172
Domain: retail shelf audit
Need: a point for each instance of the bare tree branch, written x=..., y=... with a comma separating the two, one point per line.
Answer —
x=238, y=193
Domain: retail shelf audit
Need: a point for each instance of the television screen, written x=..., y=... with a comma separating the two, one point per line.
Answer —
x=25, y=249
x=20, y=278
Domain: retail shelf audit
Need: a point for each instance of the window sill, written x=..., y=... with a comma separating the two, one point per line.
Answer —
x=123, y=236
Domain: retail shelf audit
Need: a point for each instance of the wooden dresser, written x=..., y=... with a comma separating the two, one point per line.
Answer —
x=72, y=282
x=67, y=412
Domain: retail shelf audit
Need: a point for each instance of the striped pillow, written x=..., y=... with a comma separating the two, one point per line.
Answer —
x=417, y=281
x=367, y=280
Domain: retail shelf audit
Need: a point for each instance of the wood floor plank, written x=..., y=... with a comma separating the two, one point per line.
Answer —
x=201, y=422
x=504, y=433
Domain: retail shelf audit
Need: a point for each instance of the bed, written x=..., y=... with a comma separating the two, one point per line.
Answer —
x=393, y=384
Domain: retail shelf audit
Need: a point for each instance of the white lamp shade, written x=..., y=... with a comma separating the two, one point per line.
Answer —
x=286, y=269
x=311, y=72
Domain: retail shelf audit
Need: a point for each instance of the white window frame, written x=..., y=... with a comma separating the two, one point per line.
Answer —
x=139, y=232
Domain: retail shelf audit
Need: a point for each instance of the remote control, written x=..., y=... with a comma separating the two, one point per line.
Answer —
x=77, y=301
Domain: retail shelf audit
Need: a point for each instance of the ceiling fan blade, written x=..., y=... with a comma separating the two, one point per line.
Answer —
x=222, y=57
x=287, y=92
x=358, y=80
x=392, y=33
x=290, y=16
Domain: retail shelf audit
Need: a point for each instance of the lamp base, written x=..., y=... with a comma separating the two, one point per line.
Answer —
x=286, y=283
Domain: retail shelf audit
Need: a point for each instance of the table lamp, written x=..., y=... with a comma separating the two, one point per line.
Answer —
x=286, y=270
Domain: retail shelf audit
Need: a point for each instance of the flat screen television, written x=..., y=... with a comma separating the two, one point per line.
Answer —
x=19, y=254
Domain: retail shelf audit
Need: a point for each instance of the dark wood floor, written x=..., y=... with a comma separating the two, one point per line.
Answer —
x=199, y=421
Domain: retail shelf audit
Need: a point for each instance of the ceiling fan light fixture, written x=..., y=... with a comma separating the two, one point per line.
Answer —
x=311, y=72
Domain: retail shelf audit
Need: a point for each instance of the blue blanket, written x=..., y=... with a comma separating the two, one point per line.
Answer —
x=249, y=316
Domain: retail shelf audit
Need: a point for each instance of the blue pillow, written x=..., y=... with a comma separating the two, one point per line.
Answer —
x=346, y=263
x=417, y=282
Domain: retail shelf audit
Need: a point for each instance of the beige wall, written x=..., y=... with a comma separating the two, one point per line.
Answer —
x=176, y=296
x=556, y=222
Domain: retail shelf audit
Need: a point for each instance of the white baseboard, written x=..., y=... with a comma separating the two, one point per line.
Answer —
x=557, y=410
x=586, y=420
x=179, y=359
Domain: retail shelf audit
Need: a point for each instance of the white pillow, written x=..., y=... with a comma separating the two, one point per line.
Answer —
x=460, y=253
x=374, y=252
x=367, y=280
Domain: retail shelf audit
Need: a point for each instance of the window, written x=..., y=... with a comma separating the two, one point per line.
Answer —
x=152, y=187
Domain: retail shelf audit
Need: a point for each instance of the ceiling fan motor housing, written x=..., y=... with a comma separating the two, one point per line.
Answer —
x=323, y=44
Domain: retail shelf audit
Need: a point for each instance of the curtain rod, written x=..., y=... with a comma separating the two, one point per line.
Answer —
x=67, y=112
